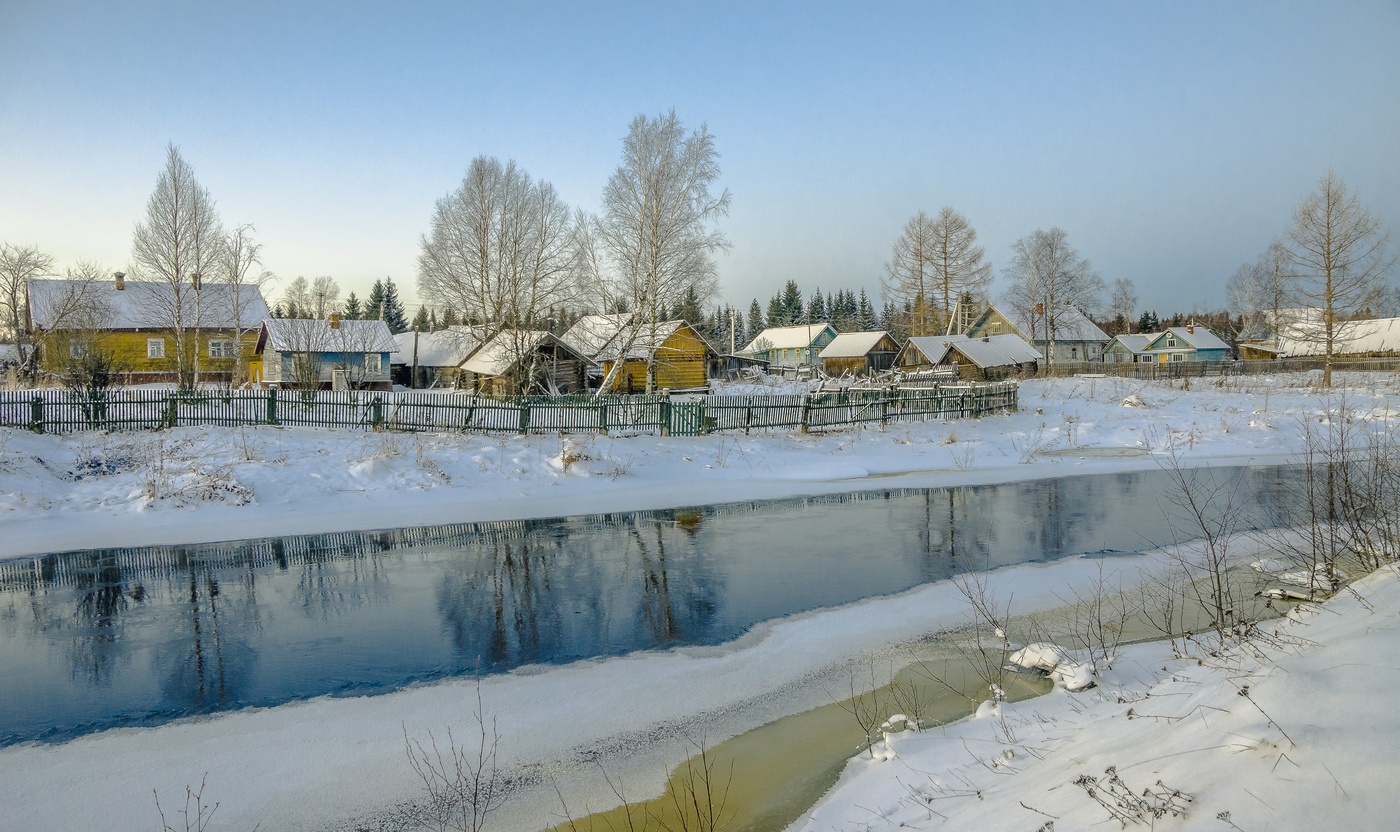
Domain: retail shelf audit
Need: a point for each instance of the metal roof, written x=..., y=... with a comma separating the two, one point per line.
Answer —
x=1195, y=336
x=145, y=304
x=591, y=334
x=989, y=351
x=1377, y=335
x=316, y=335
x=499, y=355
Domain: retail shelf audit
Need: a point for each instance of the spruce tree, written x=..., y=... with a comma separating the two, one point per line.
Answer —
x=374, y=304
x=393, y=314
x=754, y=325
x=793, y=310
x=420, y=320
x=777, y=314
x=449, y=318
x=353, y=310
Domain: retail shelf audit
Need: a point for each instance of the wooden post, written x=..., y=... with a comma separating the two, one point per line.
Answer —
x=272, y=406
x=36, y=414
x=806, y=411
x=376, y=413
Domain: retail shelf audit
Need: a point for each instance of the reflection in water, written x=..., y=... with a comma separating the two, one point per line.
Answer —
x=143, y=635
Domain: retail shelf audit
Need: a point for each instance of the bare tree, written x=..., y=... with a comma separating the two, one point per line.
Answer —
x=1259, y=291
x=314, y=298
x=240, y=269
x=60, y=309
x=1339, y=260
x=177, y=243
x=500, y=249
x=933, y=264
x=18, y=266
x=1123, y=301
x=655, y=241
x=1048, y=278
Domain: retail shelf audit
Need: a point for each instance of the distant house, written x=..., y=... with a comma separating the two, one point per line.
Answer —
x=1127, y=349
x=1306, y=336
x=308, y=353
x=134, y=321
x=524, y=362
x=438, y=355
x=859, y=353
x=990, y=357
x=791, y=346
x=1076, y=337
x=1259, y=351
x=674, y=353
x=1184, y=343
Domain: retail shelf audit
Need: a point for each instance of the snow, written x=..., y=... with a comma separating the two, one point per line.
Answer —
x=1307, y=746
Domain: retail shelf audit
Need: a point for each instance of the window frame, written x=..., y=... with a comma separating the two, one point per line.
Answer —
x=155, y=348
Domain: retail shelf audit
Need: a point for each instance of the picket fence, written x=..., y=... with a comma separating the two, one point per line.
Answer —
x=67, y=411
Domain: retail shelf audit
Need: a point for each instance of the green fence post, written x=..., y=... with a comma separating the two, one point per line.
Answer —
x=169, y=418
x=603, y=417
x=524, y=416
x=806, y=411
x=272, y=406
x=885, y=407
x=666, y=428
x=36, y=414
x=376, y=413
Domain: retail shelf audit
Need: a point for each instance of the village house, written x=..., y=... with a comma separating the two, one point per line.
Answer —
x=1184, y=343
x=669, y=355
x=318, y=353
x=791, y=346
x=436, y=357
x=524, y=362
x=1076, y=338
x=135, y=324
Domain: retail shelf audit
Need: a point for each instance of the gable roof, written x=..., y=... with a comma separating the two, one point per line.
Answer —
x=499, y=356
x=316, y=335
x=1070, y=325
x=1135, y=342
x=1194, y=336
x=853, y=344
x=591, y=334
x=145, y=304
x=788, y=337
x=1377, y=335
x=447, y=347
x=984, y=352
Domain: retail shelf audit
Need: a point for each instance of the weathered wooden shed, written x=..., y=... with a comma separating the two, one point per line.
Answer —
x=859, y=353
x=522, y=362
x=987, y=358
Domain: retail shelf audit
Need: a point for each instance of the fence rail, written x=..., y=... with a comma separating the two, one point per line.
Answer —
x=1213, y=369
x=67, y=411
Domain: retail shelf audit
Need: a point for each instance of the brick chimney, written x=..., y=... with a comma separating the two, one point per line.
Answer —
x=121, y=280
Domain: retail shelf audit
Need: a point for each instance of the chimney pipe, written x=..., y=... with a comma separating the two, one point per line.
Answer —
x=121, y=280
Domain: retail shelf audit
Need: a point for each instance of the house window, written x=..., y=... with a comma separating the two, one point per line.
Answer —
x=372, y=363
x=1074, y=353
x=1171, y=342
x=221, y=348
x=76, y=349
x=1177, y=356
x=155, y=347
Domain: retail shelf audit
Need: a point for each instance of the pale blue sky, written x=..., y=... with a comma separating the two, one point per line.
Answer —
x=1171, y=140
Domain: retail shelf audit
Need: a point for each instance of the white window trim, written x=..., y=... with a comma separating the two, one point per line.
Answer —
x=155, y=347
x=226, y=348
x=373, y=363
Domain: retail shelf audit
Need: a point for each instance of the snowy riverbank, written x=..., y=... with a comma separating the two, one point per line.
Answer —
x=330, y=763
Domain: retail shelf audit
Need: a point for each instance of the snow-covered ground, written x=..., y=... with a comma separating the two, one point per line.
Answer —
x=327, y=762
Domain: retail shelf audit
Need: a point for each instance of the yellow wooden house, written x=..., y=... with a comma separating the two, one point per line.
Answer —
x=133, y=324
x=672, y=355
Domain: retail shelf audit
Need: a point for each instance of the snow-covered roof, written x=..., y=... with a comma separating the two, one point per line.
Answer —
x=591, y=334
x=499, y=356
x=1378, y=335
x=144, y=304
x=316, y=335
x=1071, y=324
x=1195, y=336
x=852, y=344
x=988, y=351
x=786, y=337
x=1136, y=342
x=447, y=347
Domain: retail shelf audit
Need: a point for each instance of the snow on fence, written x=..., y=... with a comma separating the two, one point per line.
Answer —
x=67, y=411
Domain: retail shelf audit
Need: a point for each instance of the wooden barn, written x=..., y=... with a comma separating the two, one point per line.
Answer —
x=669, y=355
x=859, y=353
x=524, y=362
x=987, y=358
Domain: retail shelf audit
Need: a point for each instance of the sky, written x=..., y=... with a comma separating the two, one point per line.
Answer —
x=1172, y=142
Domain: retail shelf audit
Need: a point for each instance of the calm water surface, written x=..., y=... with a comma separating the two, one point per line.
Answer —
x=100, y=638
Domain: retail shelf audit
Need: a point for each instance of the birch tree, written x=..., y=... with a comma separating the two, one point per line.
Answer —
x=240, y=270
x=1259, y=291
x=1340, y=264
x=18, y=266
x=655, y=239
x=1049, y=278
x=1123, y=301
x=176, y=244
